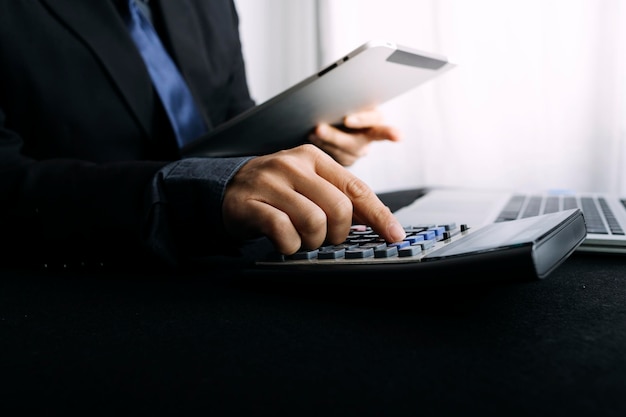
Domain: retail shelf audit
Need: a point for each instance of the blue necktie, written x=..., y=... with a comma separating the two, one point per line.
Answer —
x=167, y=80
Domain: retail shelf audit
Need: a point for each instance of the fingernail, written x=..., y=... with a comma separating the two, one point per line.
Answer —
x=352, y=120
x=396, y=232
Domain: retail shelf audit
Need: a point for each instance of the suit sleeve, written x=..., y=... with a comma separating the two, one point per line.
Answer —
x=68, y=211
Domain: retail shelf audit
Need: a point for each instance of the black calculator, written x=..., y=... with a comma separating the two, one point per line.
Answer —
x=529, y=248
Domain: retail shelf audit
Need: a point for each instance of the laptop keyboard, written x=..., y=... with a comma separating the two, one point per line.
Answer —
x=599, y=218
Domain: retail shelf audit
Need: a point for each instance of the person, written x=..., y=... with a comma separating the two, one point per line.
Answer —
x=90, y=170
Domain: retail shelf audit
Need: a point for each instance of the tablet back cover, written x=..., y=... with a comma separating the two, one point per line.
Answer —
x=367, y=77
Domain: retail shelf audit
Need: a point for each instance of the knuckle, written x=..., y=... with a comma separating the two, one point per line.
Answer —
x=313, y=229
x=343, y=209
x=280, y=231
x=293, y=160
x=381, y=216
x=341, y=216
x=357, y=189
x=307, y=147
x=311, y=151
x=313, y=223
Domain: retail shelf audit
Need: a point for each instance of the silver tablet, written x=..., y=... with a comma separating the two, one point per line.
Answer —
x=366, y=77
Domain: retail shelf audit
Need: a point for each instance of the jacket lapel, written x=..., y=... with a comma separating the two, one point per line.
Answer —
x=101, y=27
x=186, y=44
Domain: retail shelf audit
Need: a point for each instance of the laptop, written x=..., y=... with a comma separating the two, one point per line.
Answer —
x=604, y=214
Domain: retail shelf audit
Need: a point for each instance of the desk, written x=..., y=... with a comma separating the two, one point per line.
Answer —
x=202, y=343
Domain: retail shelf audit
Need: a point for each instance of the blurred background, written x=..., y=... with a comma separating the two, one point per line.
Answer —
x=537, y=100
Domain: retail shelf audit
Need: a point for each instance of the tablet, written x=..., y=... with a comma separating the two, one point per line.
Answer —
x=366, y=77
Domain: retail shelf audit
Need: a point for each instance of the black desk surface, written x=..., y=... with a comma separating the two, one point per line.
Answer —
x=205, y=343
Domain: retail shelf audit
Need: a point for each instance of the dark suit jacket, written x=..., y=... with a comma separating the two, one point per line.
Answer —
x=82, y=131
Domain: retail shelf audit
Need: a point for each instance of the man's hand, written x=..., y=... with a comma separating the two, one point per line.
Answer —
x=302, y=198
x=352, y=141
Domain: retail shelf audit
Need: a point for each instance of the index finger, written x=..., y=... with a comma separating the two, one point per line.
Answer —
x=367, y=206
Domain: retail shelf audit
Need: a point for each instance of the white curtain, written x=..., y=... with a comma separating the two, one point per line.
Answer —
x=537, y=100
x=280, y=43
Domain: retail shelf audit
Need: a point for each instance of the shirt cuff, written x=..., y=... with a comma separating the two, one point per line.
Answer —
x=185, y=207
